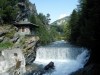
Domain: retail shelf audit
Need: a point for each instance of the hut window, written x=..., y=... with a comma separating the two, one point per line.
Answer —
x=23, y=29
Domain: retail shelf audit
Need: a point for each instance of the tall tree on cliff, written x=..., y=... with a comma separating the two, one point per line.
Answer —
x=88, y=27
x=74, y=26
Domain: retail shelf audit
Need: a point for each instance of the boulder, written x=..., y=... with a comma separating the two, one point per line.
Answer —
x=14, y=39
x=49, y=66
x=1, y=38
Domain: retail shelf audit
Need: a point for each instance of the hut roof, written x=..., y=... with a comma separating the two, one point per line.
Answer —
x=25, y=23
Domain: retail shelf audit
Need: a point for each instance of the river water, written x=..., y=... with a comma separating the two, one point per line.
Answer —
x=66, y=57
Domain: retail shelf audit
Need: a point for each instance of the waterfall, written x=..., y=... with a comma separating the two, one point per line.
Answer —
x=66, y=57
x=52, y=53
x=58, y=53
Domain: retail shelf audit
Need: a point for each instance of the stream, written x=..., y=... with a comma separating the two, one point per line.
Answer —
x=66, y=57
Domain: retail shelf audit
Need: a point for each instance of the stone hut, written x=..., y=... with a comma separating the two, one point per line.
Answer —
x=26, y=28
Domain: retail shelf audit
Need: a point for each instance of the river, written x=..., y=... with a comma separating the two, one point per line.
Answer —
x=66, y=57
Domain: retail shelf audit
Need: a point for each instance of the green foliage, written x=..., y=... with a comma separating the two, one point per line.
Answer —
x=44, y=19
x=74, y=27
x=67, y=32
x=5, y=45
x=43, y=31
x=32, y=18
x=22, y=41
x=57, y=32
x=84, y=27
x=10, y=34
x=43, y=34
x=61, y=28
x=53, y=33
x=84, y=23
x=7, y=10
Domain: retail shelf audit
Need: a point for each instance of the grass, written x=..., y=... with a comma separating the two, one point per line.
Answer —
x=5, y=45
x=10, y=34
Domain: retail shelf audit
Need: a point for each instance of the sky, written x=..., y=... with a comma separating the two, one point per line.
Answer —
x=56, y=8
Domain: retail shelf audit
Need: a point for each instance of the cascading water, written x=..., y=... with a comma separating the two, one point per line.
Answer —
x=66, y=58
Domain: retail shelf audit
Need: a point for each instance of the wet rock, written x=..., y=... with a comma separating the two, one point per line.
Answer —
x=30, y=58
x=14, y=39
x=1, y=39
x=30, y=51
x=2, y=33
x=49, y=66
x=34, y=69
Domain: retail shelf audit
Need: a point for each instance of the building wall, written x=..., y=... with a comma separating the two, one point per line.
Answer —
x=24, y=31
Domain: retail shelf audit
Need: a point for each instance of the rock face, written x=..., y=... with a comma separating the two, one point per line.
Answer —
x=2, y=33
x=2, y=63
x=1, y=39
x=11, y=62
x=2, y=36
x=29, y=49
x=15, y=39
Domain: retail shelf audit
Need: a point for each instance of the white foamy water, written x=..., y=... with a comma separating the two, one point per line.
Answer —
x=66, y=58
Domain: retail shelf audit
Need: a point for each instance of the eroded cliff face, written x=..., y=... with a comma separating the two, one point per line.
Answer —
x=29, y=48
x=12, y=61
x=19, y=54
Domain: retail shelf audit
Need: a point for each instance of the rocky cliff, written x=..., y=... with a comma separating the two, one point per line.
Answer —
x=10, y=43
x=13, y=45
x=61, y=21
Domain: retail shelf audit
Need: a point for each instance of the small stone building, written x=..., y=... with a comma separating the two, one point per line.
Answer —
x=26, y=28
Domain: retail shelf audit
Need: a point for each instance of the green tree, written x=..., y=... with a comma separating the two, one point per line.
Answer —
x=53, y=33
x=42, y=18
x=74, y=26
x=7, y=10
x=43, y=30
x=32, y=18
x=67, y=32
x=48, y=18
x=85, y=27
